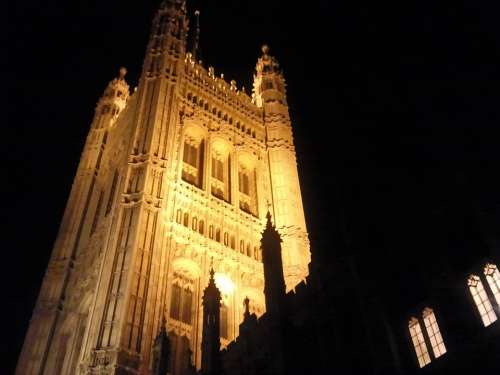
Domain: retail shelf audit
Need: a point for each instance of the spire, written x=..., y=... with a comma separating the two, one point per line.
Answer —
x=171, y=21
x=161, y=351
x=274, y=281
x=210, y=344
x=269, y=83
x=196, y=42
x=113, y=100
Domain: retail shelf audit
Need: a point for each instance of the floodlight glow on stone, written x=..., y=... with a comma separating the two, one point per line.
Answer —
x=224, y=283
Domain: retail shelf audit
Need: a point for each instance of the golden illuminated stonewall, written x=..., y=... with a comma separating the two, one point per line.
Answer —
x=174, y=178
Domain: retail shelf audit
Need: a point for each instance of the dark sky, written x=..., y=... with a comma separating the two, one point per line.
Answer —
x=395, y=110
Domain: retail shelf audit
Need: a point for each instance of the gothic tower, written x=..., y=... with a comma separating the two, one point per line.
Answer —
x=179, y=172
x=210, y=344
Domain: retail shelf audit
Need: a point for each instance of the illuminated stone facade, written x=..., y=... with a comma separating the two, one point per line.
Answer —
x=174, y=177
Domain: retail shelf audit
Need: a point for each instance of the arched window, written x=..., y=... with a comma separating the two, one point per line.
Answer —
x=186, y=219
x=242, y=246
x=249, y=250
x=211, y=232
x=255, y=253
x=221, y=171
x=226, y=239
x=247, y=183
x=233, y=242
x=432, y=328
x=217, y=235
x=194, y=223
x=433, y=334
x=493, y=278
x=192, y=157
x=178, y=218
x=181, y=304
x=483, y=304
x=201, y=227
x=417, y=338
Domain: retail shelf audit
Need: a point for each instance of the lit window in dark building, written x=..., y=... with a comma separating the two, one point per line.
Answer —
x=483, y=303
x=493, y=277
x=417, y=337
x=432, y=328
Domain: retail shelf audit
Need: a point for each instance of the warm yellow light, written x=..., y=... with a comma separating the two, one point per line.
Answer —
x=224, y=283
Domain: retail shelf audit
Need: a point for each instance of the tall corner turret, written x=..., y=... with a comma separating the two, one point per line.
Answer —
x=112, y=102
x=269, y=87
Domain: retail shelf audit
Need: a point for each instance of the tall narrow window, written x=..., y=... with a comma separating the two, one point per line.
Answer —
x=187, y=300
x=181, y=304
x=175, y=302
x=417, y=338
x=481, y=300
x=493, y=278
x=248, y=189
x=221, y=172
x=186, y=220
x=192, y=157
x=431, y=325
x=223, y=321
x=201, y=227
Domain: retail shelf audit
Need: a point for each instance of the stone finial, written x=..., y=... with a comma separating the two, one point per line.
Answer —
x=123, y=72
x=246, y=302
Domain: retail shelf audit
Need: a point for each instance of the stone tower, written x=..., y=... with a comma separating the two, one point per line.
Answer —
x=179, y=172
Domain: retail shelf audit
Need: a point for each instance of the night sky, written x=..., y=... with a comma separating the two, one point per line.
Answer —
x=395, y=111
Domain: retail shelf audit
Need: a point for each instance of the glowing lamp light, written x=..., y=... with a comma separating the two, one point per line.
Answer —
x=224, y=283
